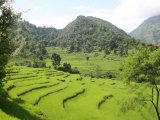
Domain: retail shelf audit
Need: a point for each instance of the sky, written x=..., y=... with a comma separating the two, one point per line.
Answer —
x=125, y=14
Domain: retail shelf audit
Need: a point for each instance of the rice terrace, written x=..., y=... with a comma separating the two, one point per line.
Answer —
x=91, y=69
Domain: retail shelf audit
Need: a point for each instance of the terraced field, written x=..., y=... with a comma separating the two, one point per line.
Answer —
x=55, y=95
x=98, y=63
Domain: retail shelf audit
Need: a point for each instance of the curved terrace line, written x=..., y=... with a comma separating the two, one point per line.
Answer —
x=36, y=88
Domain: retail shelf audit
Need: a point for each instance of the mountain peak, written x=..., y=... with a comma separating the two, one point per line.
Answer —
x=87, y=32
x=153, y=20
x=149, y=31
x=80, y=17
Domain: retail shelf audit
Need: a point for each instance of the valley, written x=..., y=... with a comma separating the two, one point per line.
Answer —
x=89, y=69
x=48, y=94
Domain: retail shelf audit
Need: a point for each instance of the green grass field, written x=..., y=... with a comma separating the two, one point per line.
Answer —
x=48, y=94
x=97, y=63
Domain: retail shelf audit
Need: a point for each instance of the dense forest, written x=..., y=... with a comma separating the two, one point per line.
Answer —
x=30, y=39
x=89, y=33
x=86, y=34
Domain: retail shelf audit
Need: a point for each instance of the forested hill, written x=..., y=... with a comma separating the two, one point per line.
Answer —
x=149, y=31
x=85, y=34
x=30, y=38
x=90, y=33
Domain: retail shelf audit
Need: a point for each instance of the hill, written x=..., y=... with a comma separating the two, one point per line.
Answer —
x=90, y=33
x=30, y=38
x=86, y=34
x=47, y=94
x=149, y=31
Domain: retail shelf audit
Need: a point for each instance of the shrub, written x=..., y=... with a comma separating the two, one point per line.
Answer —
x=39, y=64
x=67, y=68
x=75, y=71
x=25, y=63
x=56, y=60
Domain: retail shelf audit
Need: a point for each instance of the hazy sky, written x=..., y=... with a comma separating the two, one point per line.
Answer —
x=125, y=14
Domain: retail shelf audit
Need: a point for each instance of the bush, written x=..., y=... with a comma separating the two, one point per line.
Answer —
x=56, y=60
x=67, y=68
x=39, y=64
x=16, y=64
x=25, y=63
x=109, y=75
x=75, y=71
x=49, y=67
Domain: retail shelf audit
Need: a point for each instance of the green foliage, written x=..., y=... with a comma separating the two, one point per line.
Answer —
x=85, y=34
x=7, y=21
x=89, y=34
x=110, y=63
x=81, y=107
x=107, y=51
x=143, y=66
x=67, y=68
x=36, y=63
x=39, y=64
x=24, y=63
x=31, y=39
x=56, y=60
x=87, y=58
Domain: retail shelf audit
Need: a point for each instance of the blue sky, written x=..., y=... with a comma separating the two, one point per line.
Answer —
x=125, y=14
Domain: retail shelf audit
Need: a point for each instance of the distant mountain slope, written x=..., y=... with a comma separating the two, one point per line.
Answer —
x=85, y=34
x=29, y=37
x=90, y=33
x=149, y=31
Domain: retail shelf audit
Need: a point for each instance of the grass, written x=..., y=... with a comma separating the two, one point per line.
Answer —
x=14, y=111
x=48, y=94
x=85, y=99
x=97, y=63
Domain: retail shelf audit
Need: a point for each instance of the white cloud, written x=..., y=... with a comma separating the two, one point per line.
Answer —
x=37, y=8
x=56, y=21
x=129, y=13
x=83, y=8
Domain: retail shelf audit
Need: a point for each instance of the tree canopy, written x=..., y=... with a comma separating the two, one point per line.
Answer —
x=89, y=33
x=56, y=60
x=144, y=66
x=8, y=19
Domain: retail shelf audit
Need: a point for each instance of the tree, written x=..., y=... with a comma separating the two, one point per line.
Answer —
x=144, y=66
x=71, y=49
x=88, y=47
x=56, y=59
x=40, y=50
x=87, y=58
x=7, y=20
x=107, y=51
x=67, y=67
x=123, y=50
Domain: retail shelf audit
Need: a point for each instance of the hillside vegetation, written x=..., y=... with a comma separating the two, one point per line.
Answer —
x=89, y=33
x=77, y=73
x=39, y=93
x=30, y=39
x=98, y=64
x=149, y=31
x=85, y=34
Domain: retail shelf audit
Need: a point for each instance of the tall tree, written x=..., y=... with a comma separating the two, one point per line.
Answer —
x=56, y=60
x=7, y=20
x=144, y=66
